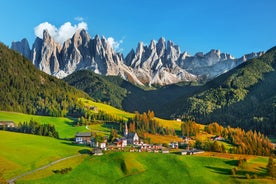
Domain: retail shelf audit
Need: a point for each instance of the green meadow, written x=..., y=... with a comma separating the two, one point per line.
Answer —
x=65, y=126
x=120, y=167
x=21, y=153
x=108, y=109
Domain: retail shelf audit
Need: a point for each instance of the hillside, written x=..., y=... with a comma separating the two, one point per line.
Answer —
x=166, y=168
x=98, y=87
x=17, y=157
x=26, y=89
x=124, y=95
x=244, y=97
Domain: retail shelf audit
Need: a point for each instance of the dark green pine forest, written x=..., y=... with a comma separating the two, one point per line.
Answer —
x=26, y=89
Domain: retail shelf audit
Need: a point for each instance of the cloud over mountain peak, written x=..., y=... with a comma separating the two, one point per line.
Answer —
x=61, y=34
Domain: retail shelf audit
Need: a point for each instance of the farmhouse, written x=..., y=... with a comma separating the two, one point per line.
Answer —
x=191, y=152
x=83, y=138
x=120, y=142
x=218, y=138
x=174, y=145
x=102, y=145
x=165, y=151
x=97, y=151
x=8, y=124
x=96, y=144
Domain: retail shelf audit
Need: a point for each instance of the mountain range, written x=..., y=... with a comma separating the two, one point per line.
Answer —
x=160, y=63
x=244, y=96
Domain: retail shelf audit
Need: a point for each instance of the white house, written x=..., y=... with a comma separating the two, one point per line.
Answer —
x=83, y=138
x=102, y=145
x=120, y=142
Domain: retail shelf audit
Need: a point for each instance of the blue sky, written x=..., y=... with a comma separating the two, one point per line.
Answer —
x=233, y=26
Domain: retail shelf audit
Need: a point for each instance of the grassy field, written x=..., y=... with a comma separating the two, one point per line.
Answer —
x=173, y=124
x=108, y=109
x=162, y=138
x=150, y=168
x=63, y=125
x=24, y=152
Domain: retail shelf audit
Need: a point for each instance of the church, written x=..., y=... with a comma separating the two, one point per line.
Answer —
x=132, y=137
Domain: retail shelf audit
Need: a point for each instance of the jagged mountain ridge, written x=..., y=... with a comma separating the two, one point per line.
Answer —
x=160, y=63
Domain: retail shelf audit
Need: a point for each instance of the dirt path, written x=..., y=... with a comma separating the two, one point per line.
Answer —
x=12, y=181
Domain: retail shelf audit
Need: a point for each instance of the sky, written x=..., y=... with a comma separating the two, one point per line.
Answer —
x=232, y=26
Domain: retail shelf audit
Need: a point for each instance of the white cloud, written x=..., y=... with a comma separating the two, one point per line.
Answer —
x=65, y=32
x=115, y=44
x=80, y=19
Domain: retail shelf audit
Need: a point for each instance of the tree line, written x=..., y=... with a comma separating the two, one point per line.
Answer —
x=146, y=122
x=90, y=117
x=35, y=128
x=245, y=142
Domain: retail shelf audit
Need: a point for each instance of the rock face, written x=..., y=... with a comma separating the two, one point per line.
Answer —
x=160, y=63
x=213, y=63
x=22, y=47
x=156, y=63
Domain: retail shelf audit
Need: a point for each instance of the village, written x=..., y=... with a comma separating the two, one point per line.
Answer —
x=131, y=142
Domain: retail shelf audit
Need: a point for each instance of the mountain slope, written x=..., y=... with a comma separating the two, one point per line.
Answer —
x=98, y=87
x=26, y=89
x=123, y=94
x=245, y=97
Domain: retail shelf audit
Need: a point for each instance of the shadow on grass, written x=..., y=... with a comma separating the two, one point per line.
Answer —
x=111, y=125
x=231, y=162
x=85, y=151
x=220, y=170
x=74, y=144
x=262, y=171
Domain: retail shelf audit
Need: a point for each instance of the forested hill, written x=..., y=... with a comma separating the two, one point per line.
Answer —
x=125, y=95
x=244, y=97
x=26, y=89
x=99, y=87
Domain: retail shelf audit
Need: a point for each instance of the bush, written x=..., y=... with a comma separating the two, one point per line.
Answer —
x=63, y=171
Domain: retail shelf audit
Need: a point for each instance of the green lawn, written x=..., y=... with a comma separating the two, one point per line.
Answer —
x=24, y=152
x=148, y=168
x=63, y=125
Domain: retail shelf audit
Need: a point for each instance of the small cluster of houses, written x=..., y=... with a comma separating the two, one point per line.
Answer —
x=129, y=138
x=132, y=139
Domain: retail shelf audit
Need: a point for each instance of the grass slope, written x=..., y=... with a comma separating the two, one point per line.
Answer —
x=98, y=87
x=107, y=108
x=64, y=126
x=125, y=115
x=149, y=168
x=21, y=153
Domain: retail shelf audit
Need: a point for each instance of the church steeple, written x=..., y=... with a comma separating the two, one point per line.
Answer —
x=126, y=130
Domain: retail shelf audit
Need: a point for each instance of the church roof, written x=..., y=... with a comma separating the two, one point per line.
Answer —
x=131, y=135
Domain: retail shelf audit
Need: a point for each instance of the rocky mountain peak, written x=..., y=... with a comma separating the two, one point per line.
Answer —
x=80, y=37
x=159, y=62
x=22, y=47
